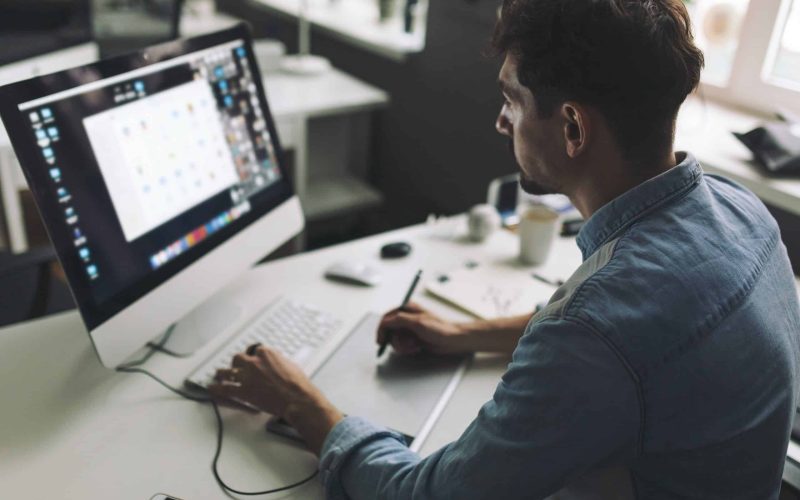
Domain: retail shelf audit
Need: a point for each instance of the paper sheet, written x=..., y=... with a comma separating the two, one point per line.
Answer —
x=488, y=292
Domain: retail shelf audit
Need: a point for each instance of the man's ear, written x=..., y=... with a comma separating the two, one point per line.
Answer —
x=577, y=128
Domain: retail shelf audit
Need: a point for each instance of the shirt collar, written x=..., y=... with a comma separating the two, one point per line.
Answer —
x=618, y=214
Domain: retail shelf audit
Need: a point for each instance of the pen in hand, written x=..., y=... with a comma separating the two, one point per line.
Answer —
x=388, y=337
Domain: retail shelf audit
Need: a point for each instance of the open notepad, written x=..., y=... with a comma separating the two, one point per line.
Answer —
x=489, y=292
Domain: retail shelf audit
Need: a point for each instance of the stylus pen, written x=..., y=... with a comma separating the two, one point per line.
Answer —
x=410, y=292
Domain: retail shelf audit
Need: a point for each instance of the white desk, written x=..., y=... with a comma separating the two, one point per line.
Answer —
x=705, y=129
x=72, y=429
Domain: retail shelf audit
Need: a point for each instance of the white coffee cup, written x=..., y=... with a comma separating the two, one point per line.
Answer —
x=538, y=225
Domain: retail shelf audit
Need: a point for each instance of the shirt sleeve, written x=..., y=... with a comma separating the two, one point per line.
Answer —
x=566, y=405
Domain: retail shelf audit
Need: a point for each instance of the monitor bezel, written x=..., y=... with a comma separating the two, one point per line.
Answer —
x=13, y=95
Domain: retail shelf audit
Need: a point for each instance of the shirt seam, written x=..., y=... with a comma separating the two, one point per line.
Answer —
x=575, y=300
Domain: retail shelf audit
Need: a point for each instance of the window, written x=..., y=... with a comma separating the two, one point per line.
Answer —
x=785, y=68
x=752, y=50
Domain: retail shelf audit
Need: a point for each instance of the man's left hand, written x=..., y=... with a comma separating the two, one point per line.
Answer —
x=269, y=381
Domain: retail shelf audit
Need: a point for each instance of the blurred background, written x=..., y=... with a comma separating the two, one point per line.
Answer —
x=398, y=123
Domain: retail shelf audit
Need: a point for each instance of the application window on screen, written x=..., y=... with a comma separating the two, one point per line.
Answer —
x=161, y=155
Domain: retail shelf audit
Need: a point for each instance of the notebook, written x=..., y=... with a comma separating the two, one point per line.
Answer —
x=489, y=292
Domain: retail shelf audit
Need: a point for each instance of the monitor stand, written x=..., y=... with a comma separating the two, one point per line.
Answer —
x=203, y=323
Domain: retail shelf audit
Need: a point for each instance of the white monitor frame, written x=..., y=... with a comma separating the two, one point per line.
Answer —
x=125, y=333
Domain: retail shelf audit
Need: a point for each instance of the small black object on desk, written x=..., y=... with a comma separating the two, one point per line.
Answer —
x=395, y=250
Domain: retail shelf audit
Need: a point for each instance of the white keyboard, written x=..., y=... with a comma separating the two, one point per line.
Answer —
x=295, y=329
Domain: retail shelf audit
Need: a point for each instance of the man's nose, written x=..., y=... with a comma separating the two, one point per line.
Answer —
x=502, y=124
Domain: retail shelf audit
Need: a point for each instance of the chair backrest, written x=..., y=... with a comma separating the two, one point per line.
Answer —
x=24, y=284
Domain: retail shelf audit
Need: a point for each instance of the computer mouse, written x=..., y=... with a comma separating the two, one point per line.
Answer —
x=354, y=273
x=395, y=250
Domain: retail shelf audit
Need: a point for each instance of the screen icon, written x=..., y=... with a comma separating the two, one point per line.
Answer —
x=91, y=270
x=84, y=254
x=72, y=218
x=34, y=116
x=46, y=113
x=55, y=174
x=80, y=239
x=52, y=132
x=63, y=195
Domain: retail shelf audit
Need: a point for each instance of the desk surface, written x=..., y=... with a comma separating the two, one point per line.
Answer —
x=73, y=429
x=705, y=129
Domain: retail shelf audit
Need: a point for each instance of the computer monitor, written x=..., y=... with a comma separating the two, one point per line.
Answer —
x=159, y=177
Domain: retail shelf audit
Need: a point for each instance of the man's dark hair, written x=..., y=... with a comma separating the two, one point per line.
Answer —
x=634, y=60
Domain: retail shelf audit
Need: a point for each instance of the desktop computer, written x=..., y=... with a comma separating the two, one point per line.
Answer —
x=159, y=177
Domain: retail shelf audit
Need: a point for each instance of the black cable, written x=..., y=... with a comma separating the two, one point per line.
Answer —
x=153, y=348
x=222, y=483
x=168, y=352
x=133, y=367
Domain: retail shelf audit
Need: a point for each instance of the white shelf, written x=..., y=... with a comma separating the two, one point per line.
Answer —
x=705, y=129
x=356, y=23
x=338, y=196
x=329, y=93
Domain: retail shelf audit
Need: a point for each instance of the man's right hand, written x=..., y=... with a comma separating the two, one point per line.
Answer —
x=414, y=329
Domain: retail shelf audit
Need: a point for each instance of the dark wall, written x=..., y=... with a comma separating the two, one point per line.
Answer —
x=789, y=224
x=436, y=145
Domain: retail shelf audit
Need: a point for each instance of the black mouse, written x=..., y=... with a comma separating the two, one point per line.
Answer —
x=395, y=250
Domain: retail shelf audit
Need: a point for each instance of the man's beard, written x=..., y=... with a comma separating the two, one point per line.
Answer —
x=527, y=184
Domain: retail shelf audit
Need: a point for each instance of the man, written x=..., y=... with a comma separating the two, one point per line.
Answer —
x=666, y=366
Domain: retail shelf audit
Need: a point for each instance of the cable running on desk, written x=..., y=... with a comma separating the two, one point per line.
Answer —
x=134, y=367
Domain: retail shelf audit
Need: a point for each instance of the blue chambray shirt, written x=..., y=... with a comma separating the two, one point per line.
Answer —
x=666, y=367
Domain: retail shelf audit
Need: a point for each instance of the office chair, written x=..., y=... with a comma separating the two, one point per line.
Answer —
x=25, y=281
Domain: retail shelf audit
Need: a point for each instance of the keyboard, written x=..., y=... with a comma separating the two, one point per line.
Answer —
x=296, y=329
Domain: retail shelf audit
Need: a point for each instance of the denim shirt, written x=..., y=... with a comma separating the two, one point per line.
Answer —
x=665, y=367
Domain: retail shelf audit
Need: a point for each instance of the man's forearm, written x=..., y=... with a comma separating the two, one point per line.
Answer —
x=313, y=417
x=496, y=335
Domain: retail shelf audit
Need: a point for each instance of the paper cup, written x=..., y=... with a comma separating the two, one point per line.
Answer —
x=537, y=230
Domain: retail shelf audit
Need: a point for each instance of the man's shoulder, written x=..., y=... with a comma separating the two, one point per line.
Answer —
x=655, y=284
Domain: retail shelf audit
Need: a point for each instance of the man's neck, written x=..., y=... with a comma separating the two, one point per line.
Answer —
x=615, y=178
